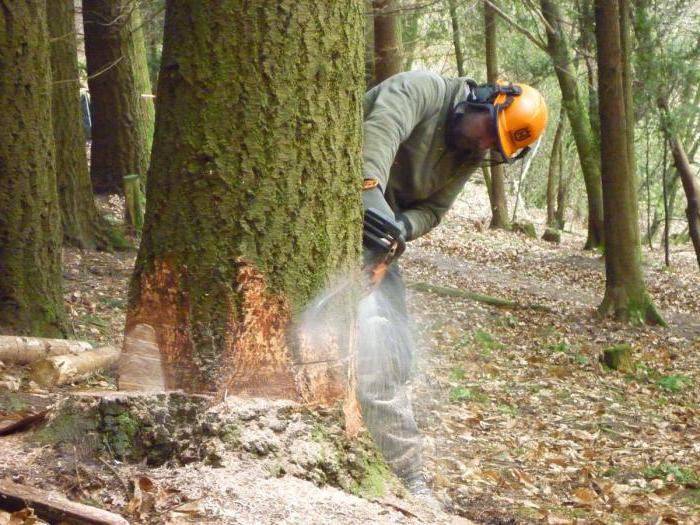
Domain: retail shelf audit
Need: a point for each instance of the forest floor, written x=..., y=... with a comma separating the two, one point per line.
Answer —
x=522, y=422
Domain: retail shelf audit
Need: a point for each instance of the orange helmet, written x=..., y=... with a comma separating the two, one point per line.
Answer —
x=519, y=115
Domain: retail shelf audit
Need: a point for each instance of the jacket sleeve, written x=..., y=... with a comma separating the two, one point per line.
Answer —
x=392, y=111
x=428, y=213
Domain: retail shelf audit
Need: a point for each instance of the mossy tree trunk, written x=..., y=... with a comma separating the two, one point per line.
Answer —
x=554, y=173
x=120, y=89
x=82, y=225
x=457, y=37
x=253, y=191
x=387, y=39
x=30, y=225
x=497, y=193
x=625, y=294
x=586, y=145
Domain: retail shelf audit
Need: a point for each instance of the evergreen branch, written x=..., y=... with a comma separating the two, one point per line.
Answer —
x=520, y=29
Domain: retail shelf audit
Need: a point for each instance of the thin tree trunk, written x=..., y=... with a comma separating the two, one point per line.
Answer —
x=625, y=294
x=580, y=124
x=554, y=171
x=82, y=225
x=387, y=39
x=31, y=300
x=499, y=202
x=122, y=117
x=523, y=175
x=245, y=223
x=667, y=218
x=457, y=37
x=690, y=185
x=409, y=35
x=564, y=185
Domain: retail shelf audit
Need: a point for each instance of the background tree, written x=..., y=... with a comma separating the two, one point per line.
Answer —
x=558, y=50
x=245, y=221
x=123, y=114
x=457, y=37
x=497, y=190
x=625, y=293
x=387, y=39
x=82, y=225
x=30, y=225
x=555, y=175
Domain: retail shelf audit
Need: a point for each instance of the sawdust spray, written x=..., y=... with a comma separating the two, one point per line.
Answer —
x=384, y=348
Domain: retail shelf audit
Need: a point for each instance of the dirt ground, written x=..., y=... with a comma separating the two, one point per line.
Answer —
x=522, y=422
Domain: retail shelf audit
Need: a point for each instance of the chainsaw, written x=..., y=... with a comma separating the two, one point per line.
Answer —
x=383, y=241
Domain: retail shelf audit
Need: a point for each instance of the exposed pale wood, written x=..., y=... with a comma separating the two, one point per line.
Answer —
x=140, y=363
x=52, y=507
x=24, y=350
x=63, y=369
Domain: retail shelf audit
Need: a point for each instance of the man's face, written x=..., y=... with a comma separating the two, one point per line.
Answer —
x=475, y=132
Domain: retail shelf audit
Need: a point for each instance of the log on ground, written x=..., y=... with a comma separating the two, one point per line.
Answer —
x=63, y=369
x=52, y=507
x=24, y=350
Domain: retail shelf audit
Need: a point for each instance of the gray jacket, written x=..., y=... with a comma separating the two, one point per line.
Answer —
x=405, y=132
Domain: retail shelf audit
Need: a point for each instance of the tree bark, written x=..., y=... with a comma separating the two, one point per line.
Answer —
x=31, y=301
x=253, y=195
x=387, y=39
x=580, y=124
x=690, y=185
x=625, y=294
x=82, y=225
x=554, y=173
x=122, y=118
x=499, y=202
x=457, y=37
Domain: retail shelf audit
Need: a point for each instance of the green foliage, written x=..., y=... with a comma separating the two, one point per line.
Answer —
x=487, y=342
x=681, y=475
x=674, y=382
x=457, y=374
x=460, y=393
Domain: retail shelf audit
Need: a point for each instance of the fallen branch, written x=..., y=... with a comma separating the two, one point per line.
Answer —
x=62, y=369
x=24, y=423
x=486, y=299
x=52, y=507
x=25, y=350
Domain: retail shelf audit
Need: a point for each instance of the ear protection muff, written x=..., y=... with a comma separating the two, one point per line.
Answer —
x=483, y=98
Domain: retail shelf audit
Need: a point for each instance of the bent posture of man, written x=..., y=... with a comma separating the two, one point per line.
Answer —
x=423, y=137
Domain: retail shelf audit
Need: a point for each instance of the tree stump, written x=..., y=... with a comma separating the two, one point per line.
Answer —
x=552, y=235
x=526, y=228
x=618, y=357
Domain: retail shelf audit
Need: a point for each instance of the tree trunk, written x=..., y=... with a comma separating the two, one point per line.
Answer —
x=625, y=293
x=387, y=39
x=253, y=194
x=580, y=124
x=457, y=38
x=499, y=203
x=31, y=301
x=82, y=225
x=122, y=118
x=554, y=173
x=690, y=185
x=564, y=185
x=410, y=21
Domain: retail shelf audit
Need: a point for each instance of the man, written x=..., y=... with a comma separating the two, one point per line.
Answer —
x=423, y=137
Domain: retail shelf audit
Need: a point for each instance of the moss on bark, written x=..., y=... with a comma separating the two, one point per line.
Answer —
x=120, y=90
x=253, y=192
x=82, y=225
x=30, y=229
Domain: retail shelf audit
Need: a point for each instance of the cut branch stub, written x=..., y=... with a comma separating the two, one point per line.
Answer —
x=618, y=357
